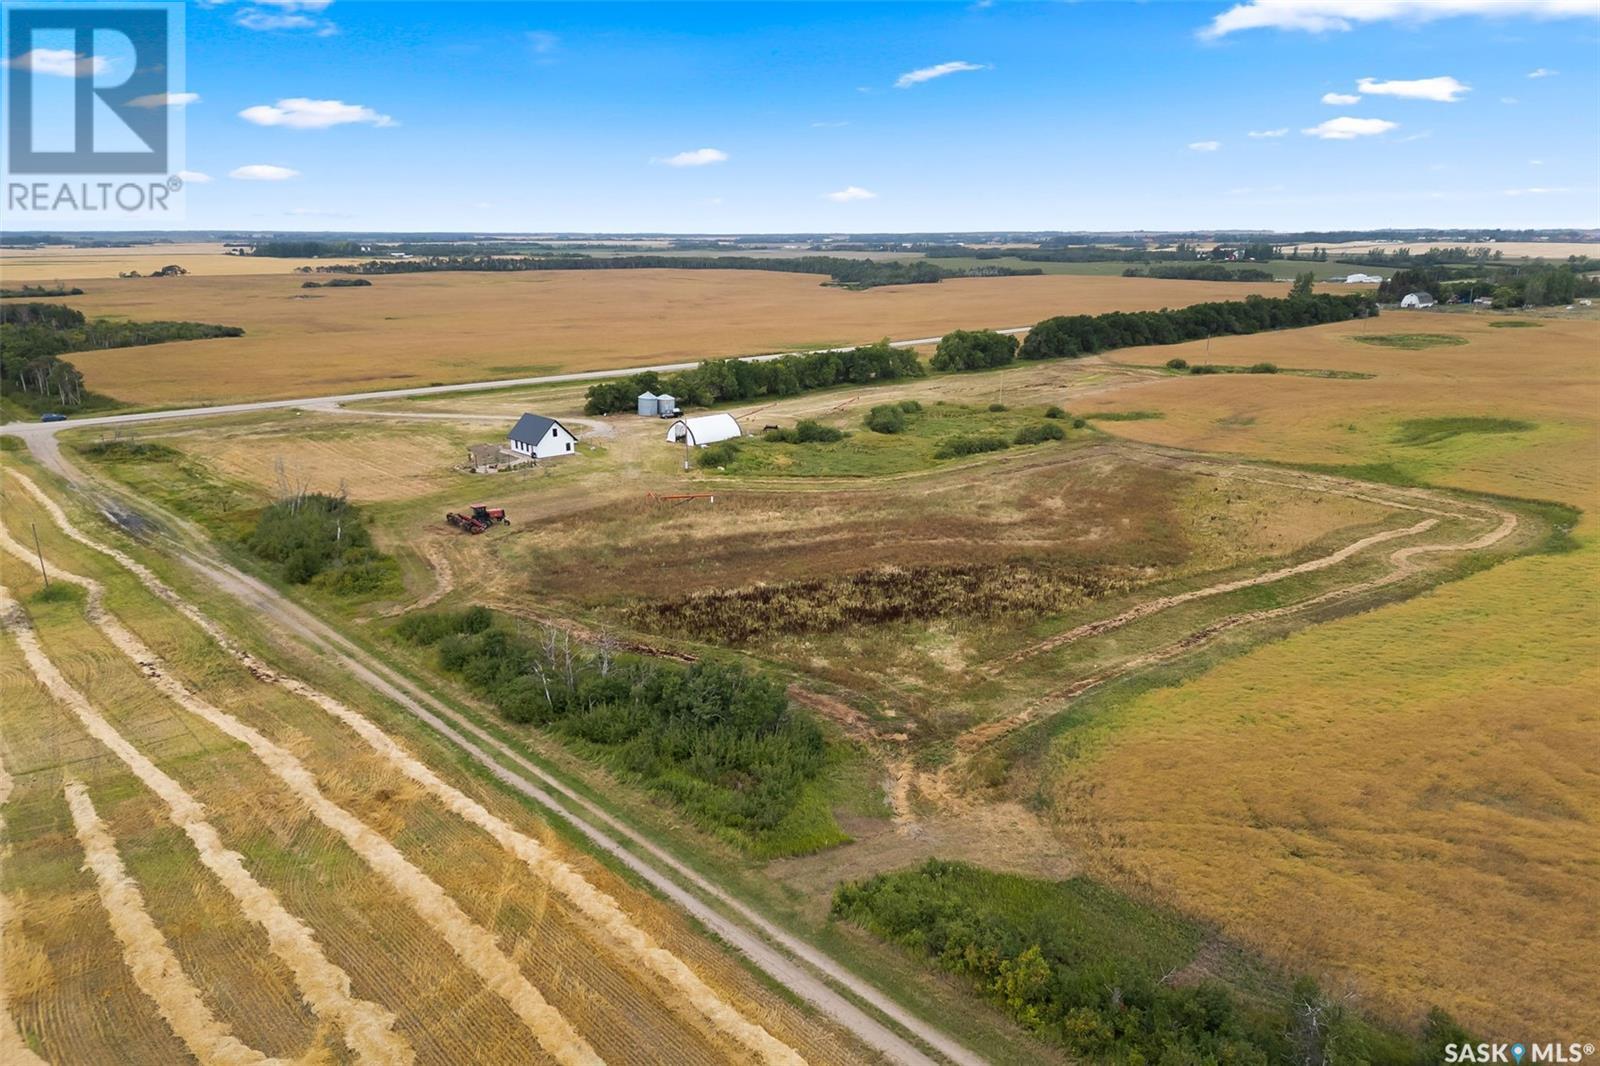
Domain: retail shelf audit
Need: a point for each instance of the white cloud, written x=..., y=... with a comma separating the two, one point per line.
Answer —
x=1508, y=99
x=165, y=100
x=1442, y=90
x=61, y=62
x=1536, y=191
x=1325, y=16
x=1204, y=146
x=1536, y=162
x=300, y=113
x=1346, y=128
x=699, y=157
x=194, y=177
x=287, y=16
x=851, y=193
x=828, y=125
x=916, y=77
x=1283, y=131
x=262, y=172
x=542, y=42
x=1543, y=72
x=1340, y=98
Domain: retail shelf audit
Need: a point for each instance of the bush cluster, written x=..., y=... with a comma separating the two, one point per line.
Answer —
x=719, y=380
x=1063, y=978
x=713, y=738
x=1039, y=433
x=321, y=539
x=974, y=349
x=970, y=444
x=721, y=453
x=805, y=431
x=886, y=418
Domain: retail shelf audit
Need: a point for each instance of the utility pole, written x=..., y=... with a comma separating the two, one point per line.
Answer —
x=35, y=527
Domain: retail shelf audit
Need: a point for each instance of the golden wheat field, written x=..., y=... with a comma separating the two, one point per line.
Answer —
x=1406, y=799
x=446, y=327
x=82, y=264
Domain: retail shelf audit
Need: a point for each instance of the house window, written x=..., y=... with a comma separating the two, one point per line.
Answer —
x=569, y=445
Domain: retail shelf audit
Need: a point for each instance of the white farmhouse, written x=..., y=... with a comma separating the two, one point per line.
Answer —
x=1416, y=300
x=538, y=437
x=704, y=430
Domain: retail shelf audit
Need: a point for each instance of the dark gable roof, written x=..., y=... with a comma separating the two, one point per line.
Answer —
x=531, y=429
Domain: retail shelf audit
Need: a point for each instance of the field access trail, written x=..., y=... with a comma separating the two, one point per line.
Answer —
x=863, y=1010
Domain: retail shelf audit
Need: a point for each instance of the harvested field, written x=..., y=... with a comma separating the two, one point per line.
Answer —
x=356, y=798
x=86, y=264
x=446, y=327
x=1408, y=792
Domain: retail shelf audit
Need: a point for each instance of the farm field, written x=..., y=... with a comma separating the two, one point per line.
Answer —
x=209, y=856
x=1401, y=873
x=448, y=327
x=83, y=264
x=1248, y=541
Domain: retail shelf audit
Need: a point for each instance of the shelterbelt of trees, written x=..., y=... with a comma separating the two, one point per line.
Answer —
x=849, y=273
x=1065, y=336
x=34, y=336
x=1532, y=285
x=1198, y=272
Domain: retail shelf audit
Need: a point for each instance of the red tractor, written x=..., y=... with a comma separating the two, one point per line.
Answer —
x=478, y=519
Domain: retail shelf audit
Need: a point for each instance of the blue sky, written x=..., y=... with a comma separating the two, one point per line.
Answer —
x=764, y=117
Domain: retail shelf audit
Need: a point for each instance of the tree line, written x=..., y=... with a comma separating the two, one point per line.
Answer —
x=1530, y=285
x=848, y=273
x=1198, y=272
x=1076, y=965
x=719, y=380
x=718, y=741
x=34, y=337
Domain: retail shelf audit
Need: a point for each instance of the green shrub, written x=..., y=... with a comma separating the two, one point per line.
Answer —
x=1078, y=423
x=805, y=431
x=1038, y=434
x=973, y=349
x=996, y=408
x=322, y=539
x=911, y=407
x=11, y=443
x=717, y=741
x=970, y=444
x=1263, y=368
x=1177, y=364
x=720, y=454
x=1054, y=412
x=886, y=418
x=1203, y=368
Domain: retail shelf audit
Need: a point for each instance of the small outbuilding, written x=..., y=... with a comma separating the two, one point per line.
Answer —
x=704, y=430
x=1363, y=279
x=538, y=437
x=649, y=404
x=1417, y=300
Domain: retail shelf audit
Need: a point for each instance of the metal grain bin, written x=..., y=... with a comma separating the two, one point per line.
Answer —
x=647, y=404
x=666, y=405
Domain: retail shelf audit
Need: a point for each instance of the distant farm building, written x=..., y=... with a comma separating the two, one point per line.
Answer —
x=538, y=437
x=649, y=404
x=1416, y=300
x=704, y=430
x=1484, y=301
x=1363, y=279
x=666, y=405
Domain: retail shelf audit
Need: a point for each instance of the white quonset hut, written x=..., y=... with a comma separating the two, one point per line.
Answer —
x=1363, y=279
x=1416, y=299
x=704, y=430
x=539, y=437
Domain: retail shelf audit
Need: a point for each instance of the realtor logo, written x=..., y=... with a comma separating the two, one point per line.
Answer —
x=92, y=90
